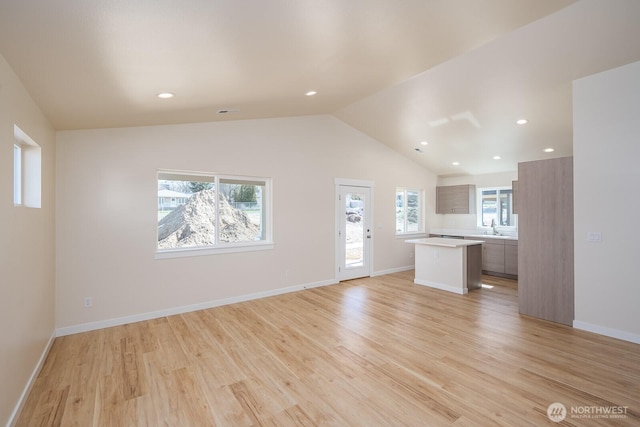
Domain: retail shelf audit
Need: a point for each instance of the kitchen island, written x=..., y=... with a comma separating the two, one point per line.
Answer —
x=453, y=265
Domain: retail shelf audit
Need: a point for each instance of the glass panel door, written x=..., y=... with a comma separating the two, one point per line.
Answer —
x=354, y=232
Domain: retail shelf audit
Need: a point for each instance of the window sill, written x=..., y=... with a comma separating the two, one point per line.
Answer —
x=417, y=235
x=191, y=252
x=489, y=230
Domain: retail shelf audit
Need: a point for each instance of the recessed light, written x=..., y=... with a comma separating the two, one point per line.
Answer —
x=522, y=121
x=496, y=157
x=549, y=150
x=455, y=163
x=165, y=95
x=311, y=93
x=424, y=143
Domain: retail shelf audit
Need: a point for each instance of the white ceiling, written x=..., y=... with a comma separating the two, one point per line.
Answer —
x=456, y=73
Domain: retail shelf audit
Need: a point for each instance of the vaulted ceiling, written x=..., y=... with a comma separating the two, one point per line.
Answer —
x=456, y=74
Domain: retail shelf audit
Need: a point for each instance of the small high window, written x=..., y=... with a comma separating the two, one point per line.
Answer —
x=409, y=211
x=27, y=163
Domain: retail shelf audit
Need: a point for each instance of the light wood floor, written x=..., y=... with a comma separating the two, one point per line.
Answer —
x=370, y=352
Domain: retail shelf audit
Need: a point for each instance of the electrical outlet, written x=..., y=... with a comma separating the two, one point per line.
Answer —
x=88, y=302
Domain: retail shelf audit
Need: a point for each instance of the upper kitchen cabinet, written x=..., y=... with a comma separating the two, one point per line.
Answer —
x=514, y=196
x=456, y=199
x=545, y=239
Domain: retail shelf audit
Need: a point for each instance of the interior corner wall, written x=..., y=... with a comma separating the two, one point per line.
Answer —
x=27, y=257
x=107, y=211
x=606, y=177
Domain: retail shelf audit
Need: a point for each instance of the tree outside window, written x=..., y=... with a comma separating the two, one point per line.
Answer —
x=409, y=211
x=496, y=207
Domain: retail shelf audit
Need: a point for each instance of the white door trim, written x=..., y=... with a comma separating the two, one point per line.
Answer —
x=369, y=185
x=354, y=182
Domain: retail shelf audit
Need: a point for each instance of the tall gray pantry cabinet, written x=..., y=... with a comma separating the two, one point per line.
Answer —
x=545, y=239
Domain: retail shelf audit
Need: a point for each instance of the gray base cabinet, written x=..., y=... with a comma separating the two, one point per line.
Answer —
x=493, y=256
x=499, y=256
x=511, y=257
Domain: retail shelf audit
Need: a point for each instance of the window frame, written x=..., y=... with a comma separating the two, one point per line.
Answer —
x=220, y=247
x=514, y=216
x=27, y=170
x=421, y=214
x=17, y=174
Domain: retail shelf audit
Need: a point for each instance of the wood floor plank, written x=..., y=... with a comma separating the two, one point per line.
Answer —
x=377, y=351
x=294, y=417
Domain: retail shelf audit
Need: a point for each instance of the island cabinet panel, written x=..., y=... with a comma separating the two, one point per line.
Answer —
x=545, y=244
x=474, y=267
x=455, y=199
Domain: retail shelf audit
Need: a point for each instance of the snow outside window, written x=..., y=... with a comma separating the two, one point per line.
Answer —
x=409, y=211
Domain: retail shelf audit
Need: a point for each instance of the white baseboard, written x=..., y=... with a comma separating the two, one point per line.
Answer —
x=609, y=332
x=392, y=270
x=441, y=286
x=34, y=375
x=92, y=326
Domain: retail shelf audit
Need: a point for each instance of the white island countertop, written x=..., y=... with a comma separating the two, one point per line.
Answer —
x=441, y=241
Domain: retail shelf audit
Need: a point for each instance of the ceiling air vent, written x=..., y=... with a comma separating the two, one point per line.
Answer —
x=228, y=110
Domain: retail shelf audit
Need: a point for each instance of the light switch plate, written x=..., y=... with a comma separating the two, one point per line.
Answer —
x=594, y=236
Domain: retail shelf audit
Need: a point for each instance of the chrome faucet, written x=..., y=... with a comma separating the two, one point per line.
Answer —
x=494, y=227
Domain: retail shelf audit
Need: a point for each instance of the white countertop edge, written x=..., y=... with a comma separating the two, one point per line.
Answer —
x=440, y=241
x=475, y=234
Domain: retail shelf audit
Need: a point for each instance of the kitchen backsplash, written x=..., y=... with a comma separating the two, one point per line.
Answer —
x=473, y=231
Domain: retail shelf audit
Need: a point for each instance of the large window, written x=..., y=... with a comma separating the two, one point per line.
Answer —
x=214, y=213
x=496, y=207
x=409, y=216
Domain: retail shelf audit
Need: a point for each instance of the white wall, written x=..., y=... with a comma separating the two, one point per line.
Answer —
x=26, y=248
x=469, y=222
x=107, y=220
x=606, y=199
